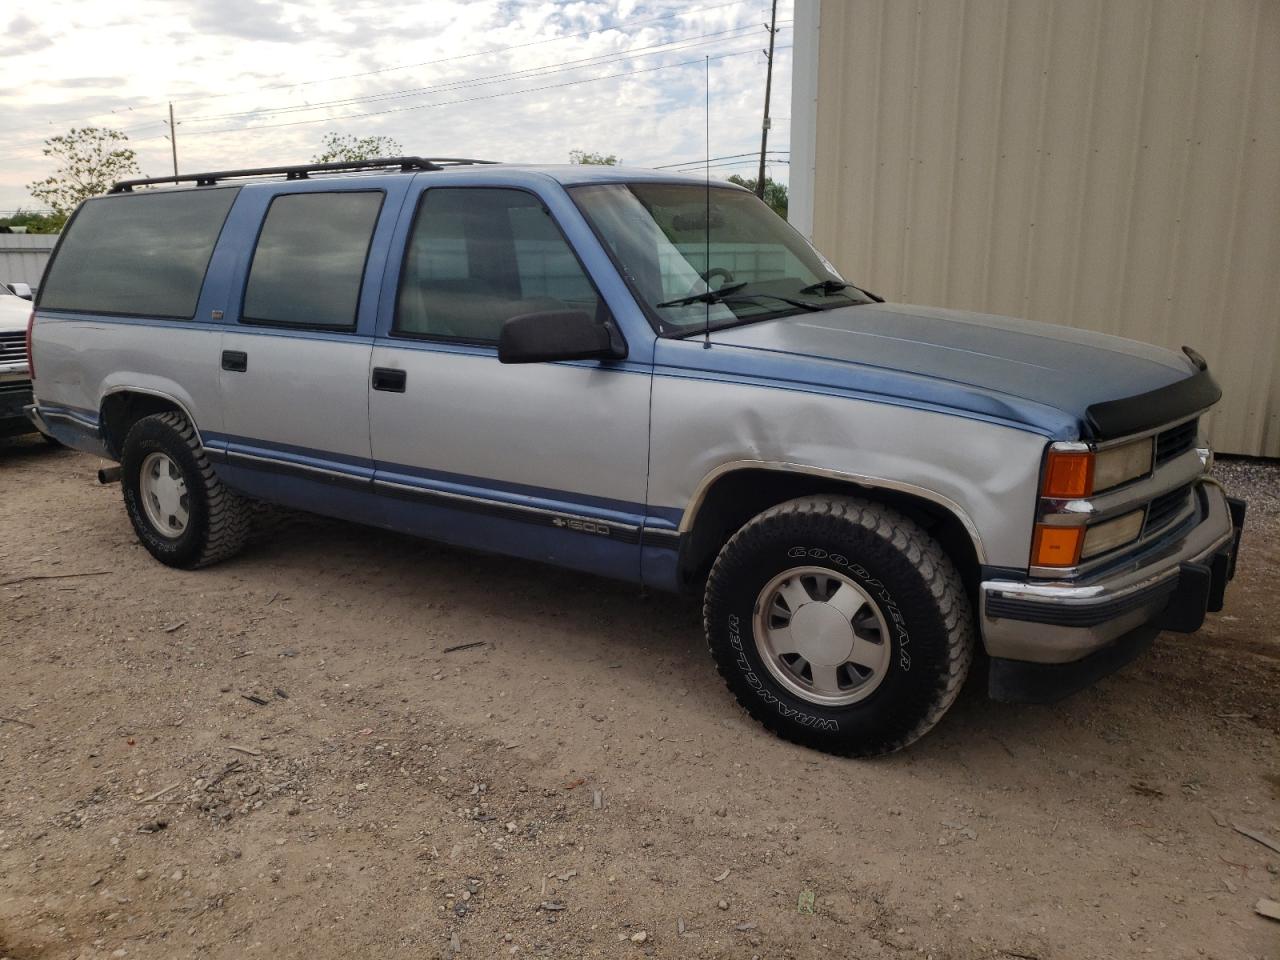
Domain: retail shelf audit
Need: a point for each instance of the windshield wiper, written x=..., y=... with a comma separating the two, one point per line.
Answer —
x=726, y=294
x=825, y=286
x=707, y=296
x=838, y=286
x=811, y=307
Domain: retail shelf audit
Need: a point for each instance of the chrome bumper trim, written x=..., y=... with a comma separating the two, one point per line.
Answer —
x=33, y=414
x=1079, y=617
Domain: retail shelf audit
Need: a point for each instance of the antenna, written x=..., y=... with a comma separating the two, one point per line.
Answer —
x=706, y=227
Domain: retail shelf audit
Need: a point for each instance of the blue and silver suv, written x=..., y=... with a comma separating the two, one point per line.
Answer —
x=651, y=378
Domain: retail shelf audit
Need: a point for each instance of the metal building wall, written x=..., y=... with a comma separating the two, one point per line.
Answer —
x=23, y=256
x=1111, y=164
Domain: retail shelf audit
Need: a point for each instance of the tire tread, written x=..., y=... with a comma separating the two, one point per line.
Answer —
x=941, y=579
x=228, y=515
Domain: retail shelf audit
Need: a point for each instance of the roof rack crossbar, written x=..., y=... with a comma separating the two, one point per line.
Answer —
x=301, y=171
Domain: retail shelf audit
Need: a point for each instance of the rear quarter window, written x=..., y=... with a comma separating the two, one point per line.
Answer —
x=309, y=263
x=138, y=255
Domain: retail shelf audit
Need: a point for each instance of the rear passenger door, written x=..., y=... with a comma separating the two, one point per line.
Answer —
x=295, y=358
x=541, y=460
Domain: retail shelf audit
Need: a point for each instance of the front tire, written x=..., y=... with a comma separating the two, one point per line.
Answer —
x=179, y=508
x=839, y=624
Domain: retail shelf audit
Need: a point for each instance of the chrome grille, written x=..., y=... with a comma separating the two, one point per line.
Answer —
x=1176, y=441
x=13, y=347
x=1166, y=497
x=1165, y=508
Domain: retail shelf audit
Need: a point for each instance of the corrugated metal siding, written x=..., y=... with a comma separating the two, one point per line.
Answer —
x=23, y=256
x=1111, y=164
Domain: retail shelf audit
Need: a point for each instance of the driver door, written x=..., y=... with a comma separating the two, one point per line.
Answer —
x=543, y=460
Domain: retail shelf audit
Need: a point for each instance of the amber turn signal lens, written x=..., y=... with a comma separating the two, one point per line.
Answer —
x=1068, y=475
x=1056, y=546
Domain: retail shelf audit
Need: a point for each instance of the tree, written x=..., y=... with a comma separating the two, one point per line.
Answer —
x=343, y=146
x=593, y=159
x=34, y=222
x=775, y=194
x=90, y=160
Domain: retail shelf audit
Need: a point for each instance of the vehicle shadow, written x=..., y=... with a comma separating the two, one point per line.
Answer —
x=598, y=617
x=27, y=448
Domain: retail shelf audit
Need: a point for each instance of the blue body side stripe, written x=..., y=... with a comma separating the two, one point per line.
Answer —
x=522, y=495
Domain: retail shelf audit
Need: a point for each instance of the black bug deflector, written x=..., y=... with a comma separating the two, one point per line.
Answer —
x=1146, y=411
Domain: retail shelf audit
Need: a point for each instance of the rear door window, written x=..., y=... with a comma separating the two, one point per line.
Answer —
x=138, y=255
x=479, y=256
x=309, y=262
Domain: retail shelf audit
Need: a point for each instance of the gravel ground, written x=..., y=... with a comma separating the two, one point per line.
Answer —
x=289, y=755
x=1257, y=481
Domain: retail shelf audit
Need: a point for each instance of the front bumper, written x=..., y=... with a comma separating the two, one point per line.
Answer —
x=14, y=397
x=1050, y=639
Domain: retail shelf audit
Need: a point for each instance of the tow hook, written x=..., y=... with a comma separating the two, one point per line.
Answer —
x=109, y=475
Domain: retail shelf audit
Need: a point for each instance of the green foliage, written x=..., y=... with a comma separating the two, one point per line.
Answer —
x=90, y=160
x=775, y=194
x=34, y=222
x=345, y=147
x=593, y=159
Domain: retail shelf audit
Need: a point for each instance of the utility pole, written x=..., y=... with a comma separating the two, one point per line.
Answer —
x=768, y=86
x=173, y=136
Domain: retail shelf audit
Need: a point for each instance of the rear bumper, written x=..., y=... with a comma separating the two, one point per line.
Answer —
x=70, y=427
x=1050, y=639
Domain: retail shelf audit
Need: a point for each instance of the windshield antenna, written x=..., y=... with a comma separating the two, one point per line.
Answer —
x=706, y=330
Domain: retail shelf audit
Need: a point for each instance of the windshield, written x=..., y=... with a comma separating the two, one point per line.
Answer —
x=659, y=235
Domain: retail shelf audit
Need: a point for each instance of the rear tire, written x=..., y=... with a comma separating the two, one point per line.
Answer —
x=887, y=625
x=182, y=512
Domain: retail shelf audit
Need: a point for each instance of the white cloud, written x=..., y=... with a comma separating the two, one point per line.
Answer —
x=242, y=75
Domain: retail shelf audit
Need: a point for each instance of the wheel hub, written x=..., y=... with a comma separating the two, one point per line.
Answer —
x=164, y=497
x=822, y=636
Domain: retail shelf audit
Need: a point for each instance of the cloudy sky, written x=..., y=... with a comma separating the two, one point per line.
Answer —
x=262, y=81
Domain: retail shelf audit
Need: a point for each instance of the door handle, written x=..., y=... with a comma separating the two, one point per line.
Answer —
x=391, y=381
x=237, y=361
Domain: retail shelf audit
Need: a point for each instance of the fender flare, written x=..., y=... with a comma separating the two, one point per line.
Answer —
x=690, y=515
x=150, y=392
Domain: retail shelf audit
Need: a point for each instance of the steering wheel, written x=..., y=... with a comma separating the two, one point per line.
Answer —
x=726, y=276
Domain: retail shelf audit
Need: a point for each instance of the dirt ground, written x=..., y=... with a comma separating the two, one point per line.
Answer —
x=577, y=782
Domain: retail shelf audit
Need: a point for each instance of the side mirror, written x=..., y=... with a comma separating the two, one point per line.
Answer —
x=20, y=289
x=558, y=335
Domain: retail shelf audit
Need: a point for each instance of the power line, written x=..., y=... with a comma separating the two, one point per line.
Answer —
x=629, y=24
x=736, y=165
x=597, y=60
x=483, y=53
x=444, y=103
x=701, y=160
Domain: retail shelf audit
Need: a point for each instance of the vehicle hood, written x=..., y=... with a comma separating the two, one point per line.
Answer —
x=1037, y=374
x=14, y=312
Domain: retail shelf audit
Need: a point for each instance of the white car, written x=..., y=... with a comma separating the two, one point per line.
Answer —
x=15, y=376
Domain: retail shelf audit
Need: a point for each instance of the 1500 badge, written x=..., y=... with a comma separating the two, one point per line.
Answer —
x=582, y=526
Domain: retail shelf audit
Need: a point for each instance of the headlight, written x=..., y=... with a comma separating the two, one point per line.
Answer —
x=1117, y=465
x=1101, y=537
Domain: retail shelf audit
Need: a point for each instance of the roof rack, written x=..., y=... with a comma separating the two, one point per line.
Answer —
x=301, y=171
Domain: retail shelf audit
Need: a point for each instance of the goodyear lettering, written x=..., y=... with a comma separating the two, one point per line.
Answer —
x=873, y=586
x=805, y=719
